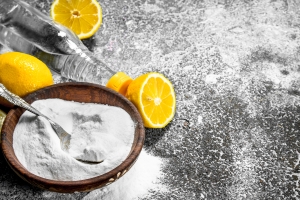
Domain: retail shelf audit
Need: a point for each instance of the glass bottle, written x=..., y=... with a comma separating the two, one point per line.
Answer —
x=26, y=29
x=82, y=67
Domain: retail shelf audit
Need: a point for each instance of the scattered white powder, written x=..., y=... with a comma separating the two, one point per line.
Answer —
x=140, y=181
x=200, y=119
x=211, y=79
x=107, y=131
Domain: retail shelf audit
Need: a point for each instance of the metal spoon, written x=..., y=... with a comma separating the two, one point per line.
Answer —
x=61, y=133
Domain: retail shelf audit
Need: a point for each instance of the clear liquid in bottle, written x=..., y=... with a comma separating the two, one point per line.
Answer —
x=81, y=67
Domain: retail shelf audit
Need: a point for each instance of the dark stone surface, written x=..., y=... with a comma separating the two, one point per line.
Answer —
x=235, y=68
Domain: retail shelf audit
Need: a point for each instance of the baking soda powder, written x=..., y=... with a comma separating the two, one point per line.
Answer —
x=99, y=131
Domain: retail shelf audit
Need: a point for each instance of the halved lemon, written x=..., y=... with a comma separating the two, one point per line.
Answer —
x=153, y=95
x=83, y=17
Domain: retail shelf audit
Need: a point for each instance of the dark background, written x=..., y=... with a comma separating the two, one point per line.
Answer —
x=235, y=68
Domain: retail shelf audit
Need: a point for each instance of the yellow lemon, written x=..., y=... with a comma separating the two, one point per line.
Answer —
x=83, y=17
x=154, y=97
x=22, y=74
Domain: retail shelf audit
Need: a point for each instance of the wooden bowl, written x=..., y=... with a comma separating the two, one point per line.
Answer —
x=80, y=92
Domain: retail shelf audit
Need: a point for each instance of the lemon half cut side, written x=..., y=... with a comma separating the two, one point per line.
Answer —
x=83, y=17
x=154, y=96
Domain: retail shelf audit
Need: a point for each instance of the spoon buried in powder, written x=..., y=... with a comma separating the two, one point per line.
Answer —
x=61, y=133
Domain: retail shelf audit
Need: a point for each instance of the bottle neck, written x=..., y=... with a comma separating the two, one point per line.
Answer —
x=38, y=28
x=88, y=55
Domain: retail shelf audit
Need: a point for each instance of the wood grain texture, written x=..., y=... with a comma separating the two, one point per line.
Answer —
x=80, y=92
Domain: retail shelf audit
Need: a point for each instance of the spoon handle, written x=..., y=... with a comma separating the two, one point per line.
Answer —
x=16, y=100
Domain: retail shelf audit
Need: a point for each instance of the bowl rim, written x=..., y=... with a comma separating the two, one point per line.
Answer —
x=80, y=185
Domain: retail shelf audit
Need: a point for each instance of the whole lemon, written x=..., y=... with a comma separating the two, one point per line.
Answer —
x=22, y=74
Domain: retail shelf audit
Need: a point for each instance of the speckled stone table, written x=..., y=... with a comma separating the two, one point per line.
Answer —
x=236, y=71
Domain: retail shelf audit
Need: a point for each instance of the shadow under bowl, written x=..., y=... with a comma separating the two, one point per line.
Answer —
x=79, y=92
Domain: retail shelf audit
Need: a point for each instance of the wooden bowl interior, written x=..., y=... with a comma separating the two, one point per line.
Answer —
x=79, y=92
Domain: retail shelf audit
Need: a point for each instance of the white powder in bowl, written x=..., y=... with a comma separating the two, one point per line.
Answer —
x=103, y=131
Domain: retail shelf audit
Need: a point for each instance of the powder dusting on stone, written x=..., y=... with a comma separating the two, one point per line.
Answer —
x=142, y=180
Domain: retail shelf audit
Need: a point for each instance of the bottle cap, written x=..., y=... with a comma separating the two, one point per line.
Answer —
x=119, y=82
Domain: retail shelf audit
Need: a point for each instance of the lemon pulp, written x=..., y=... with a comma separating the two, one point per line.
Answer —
x=83, y=17
x=153, y=94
